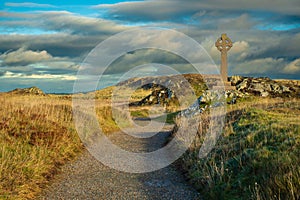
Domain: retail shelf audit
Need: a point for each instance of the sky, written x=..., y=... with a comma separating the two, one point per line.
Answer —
x=44, y=43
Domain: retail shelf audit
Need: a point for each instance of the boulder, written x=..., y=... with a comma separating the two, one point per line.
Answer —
x=158, y=96
x=264, y=94
x=235, y=80
x=243, y=85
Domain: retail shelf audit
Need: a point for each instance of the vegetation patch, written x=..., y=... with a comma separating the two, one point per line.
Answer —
x=169, y=118
x=257, y=157
x=37, y=136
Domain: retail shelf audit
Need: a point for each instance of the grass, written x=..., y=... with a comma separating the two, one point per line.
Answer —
x=139, y=112
x=169, y=119
x=37, y=136
x=139, y=94
x=257, y=157
x=144, y=113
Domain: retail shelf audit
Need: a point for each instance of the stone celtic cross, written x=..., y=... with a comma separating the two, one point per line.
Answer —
x=224, y=44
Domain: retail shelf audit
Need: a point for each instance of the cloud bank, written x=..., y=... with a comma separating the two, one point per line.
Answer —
x=49, y=42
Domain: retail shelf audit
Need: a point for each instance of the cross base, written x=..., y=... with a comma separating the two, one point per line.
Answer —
x=227, y=86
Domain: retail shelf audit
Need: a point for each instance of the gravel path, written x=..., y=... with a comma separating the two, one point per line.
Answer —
x=87, y=178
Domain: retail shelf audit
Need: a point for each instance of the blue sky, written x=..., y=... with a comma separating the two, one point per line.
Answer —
x=44, y=42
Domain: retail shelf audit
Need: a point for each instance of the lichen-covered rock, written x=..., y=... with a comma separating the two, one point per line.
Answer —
x=159, y=96
x=235, y=80
x=265, y=87
x=243, y=85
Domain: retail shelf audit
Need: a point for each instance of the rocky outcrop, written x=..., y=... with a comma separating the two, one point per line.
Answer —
x=176, y=83
x=149, y=82
x=160, y=95
x=245, y=87
x=236, y=80
x=265, y=87
x=27, y=91
x=213, y=96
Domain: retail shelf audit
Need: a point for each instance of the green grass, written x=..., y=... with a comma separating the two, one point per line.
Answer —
x=257, y=158
x=170, y=118
x=144, y=113
x=140, y=113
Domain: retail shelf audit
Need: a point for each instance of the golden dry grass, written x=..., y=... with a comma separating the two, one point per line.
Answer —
x=37, y=135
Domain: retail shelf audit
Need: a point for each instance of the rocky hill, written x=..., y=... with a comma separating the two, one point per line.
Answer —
x=175, y=82
x=266, y=87
x=27, y=91
x=245, y=87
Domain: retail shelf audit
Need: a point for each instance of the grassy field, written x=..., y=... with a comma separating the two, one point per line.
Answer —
x=257, y=157
x=37, y=135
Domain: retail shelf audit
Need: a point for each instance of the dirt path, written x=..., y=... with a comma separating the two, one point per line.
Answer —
x=86, y=178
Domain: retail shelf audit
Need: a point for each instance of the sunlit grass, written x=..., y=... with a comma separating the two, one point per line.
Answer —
x=37, y=135
x=257, y=157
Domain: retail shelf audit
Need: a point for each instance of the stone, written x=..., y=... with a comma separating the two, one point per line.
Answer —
x=151, y=98
x=264, y=86
x=276, y=88
x=243, y=85
x=285, y=89
x=258, y=87
x=264, y=94
x=235, y=80
x=224, y=44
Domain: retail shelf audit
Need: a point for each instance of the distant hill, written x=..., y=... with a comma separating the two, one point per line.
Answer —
x=27, y=91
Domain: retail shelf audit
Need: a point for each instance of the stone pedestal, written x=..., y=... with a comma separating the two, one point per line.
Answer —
x=227, y=86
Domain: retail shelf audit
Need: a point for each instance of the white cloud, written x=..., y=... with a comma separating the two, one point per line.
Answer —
x=260, y=66
x=293, y=67
x=65, y=77
x=24, y=57
x=63, y=20
x=243, y=22
x=239, y=47
x=60, y=21
x=9, y=74
x=29, y=5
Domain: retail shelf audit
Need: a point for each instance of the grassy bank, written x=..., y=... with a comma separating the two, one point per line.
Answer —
x=257, y=157
x=37, y=135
